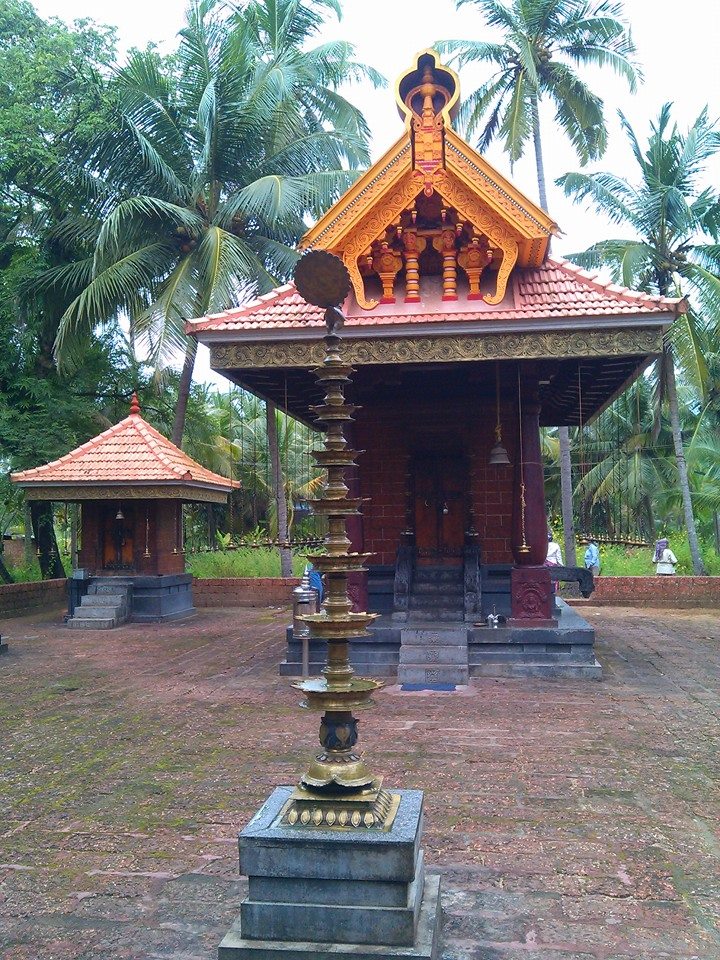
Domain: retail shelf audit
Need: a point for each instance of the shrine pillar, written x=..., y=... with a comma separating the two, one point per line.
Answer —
x=531, y=588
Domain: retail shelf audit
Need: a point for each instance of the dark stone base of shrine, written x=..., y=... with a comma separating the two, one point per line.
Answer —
x=562, y=651
x=377, y=655
x=161, y=598
x=565, y=650
x=359, y=893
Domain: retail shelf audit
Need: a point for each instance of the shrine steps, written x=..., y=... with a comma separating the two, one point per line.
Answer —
x=436, y=595
x=106, y=605
x=433, y=653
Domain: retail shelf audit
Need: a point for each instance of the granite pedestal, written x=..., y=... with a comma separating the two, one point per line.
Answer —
x=323, y=893
x=160, y=598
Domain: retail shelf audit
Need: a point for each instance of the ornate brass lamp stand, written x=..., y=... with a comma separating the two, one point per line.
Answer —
x=337, y=789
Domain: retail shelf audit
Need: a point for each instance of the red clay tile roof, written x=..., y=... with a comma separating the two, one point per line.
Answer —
x=557, y=289
x=130, y=452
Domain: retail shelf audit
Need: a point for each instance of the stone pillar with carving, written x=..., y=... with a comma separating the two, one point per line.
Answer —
x=531, y=589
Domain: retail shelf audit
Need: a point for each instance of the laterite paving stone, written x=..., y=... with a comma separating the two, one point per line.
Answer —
x=571, y=820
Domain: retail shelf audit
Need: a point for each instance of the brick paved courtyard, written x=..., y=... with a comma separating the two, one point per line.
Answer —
x=570, y=819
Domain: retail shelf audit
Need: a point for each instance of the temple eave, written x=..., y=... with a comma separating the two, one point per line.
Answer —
x=134, y=490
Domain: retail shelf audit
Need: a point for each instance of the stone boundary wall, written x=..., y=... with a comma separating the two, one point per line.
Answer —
x=677, y=592
x=244, y=592
x=19, y=598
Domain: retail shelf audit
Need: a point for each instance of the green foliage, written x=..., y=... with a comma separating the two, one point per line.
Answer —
x=247, y=562
x=675, y=250
x=618, y=561
x=217, y=159
x=541, y=45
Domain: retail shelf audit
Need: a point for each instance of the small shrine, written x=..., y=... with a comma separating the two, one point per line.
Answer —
x=467, y=337
x=131, y=483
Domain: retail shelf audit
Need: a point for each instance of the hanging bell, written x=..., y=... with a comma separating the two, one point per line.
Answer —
x=119, y=515
x=499, y=456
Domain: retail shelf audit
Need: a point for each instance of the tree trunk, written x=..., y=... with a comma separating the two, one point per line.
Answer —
x=566, y=494
x=278, y=486
x=539, y=164
x=51, y=567
x=28, y=550
x=698, y=566
x=184, y=391
x=566, y=488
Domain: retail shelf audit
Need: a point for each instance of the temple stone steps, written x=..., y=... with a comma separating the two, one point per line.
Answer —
x=106, y=605
x=433, y=653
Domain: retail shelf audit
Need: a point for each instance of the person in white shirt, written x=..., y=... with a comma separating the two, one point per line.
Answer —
x=554, y=553
x=664, y=559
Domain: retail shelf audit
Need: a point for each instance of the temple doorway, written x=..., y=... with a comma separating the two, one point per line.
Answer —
x=440, y=484
x=118, y=538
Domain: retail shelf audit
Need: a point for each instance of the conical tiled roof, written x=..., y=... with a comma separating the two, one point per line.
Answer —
x=130, y=453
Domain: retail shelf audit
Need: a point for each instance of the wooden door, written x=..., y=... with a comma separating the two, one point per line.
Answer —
x=118, y=538
x=441, y=497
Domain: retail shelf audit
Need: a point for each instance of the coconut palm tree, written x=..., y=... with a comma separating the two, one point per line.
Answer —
x=219, y=157
x=541, y=45
x=675, y=251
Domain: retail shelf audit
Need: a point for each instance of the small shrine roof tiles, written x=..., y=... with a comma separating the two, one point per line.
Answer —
x=130, y=452
x=557, y=289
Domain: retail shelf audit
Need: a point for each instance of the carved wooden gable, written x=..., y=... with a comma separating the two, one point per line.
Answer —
x=432, y=207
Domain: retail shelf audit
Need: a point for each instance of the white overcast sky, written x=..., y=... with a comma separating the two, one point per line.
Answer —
x=678, y=48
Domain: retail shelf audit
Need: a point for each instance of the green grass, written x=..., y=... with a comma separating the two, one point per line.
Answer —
x=617, y=561
x=246, y=562
x=620, y=561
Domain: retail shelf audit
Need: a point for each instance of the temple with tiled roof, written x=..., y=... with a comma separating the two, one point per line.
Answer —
x=131, y=482
x=467, y=337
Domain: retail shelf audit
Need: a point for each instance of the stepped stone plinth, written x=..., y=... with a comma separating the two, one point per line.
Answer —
x=323, y=893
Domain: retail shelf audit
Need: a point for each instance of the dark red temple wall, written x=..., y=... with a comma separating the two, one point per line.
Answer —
x=157, y=547
x=391, y=434
x=90, y=552
x=170, y=557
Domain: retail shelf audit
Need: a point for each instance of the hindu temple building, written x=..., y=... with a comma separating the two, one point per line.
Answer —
x=131, y=483
x=467, y=337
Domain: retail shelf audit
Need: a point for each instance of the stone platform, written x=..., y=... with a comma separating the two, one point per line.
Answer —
x=568, y=820
x=105, y=602
x=463, y=650
x=326, y=892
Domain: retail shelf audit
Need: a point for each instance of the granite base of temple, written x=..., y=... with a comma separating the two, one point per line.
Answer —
x=319, y=894
x=562, y=651
x=101, y=603
x=161, y=598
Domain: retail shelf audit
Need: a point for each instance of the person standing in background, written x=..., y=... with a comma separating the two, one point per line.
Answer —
x=592, y=558
x=554, y=553
x=664, y=559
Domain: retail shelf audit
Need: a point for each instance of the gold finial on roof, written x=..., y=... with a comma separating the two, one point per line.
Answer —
x=428, y=89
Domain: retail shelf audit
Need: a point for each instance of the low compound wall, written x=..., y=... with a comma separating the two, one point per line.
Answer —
x=244, y=592
x=19, y=598
x=677, y=592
